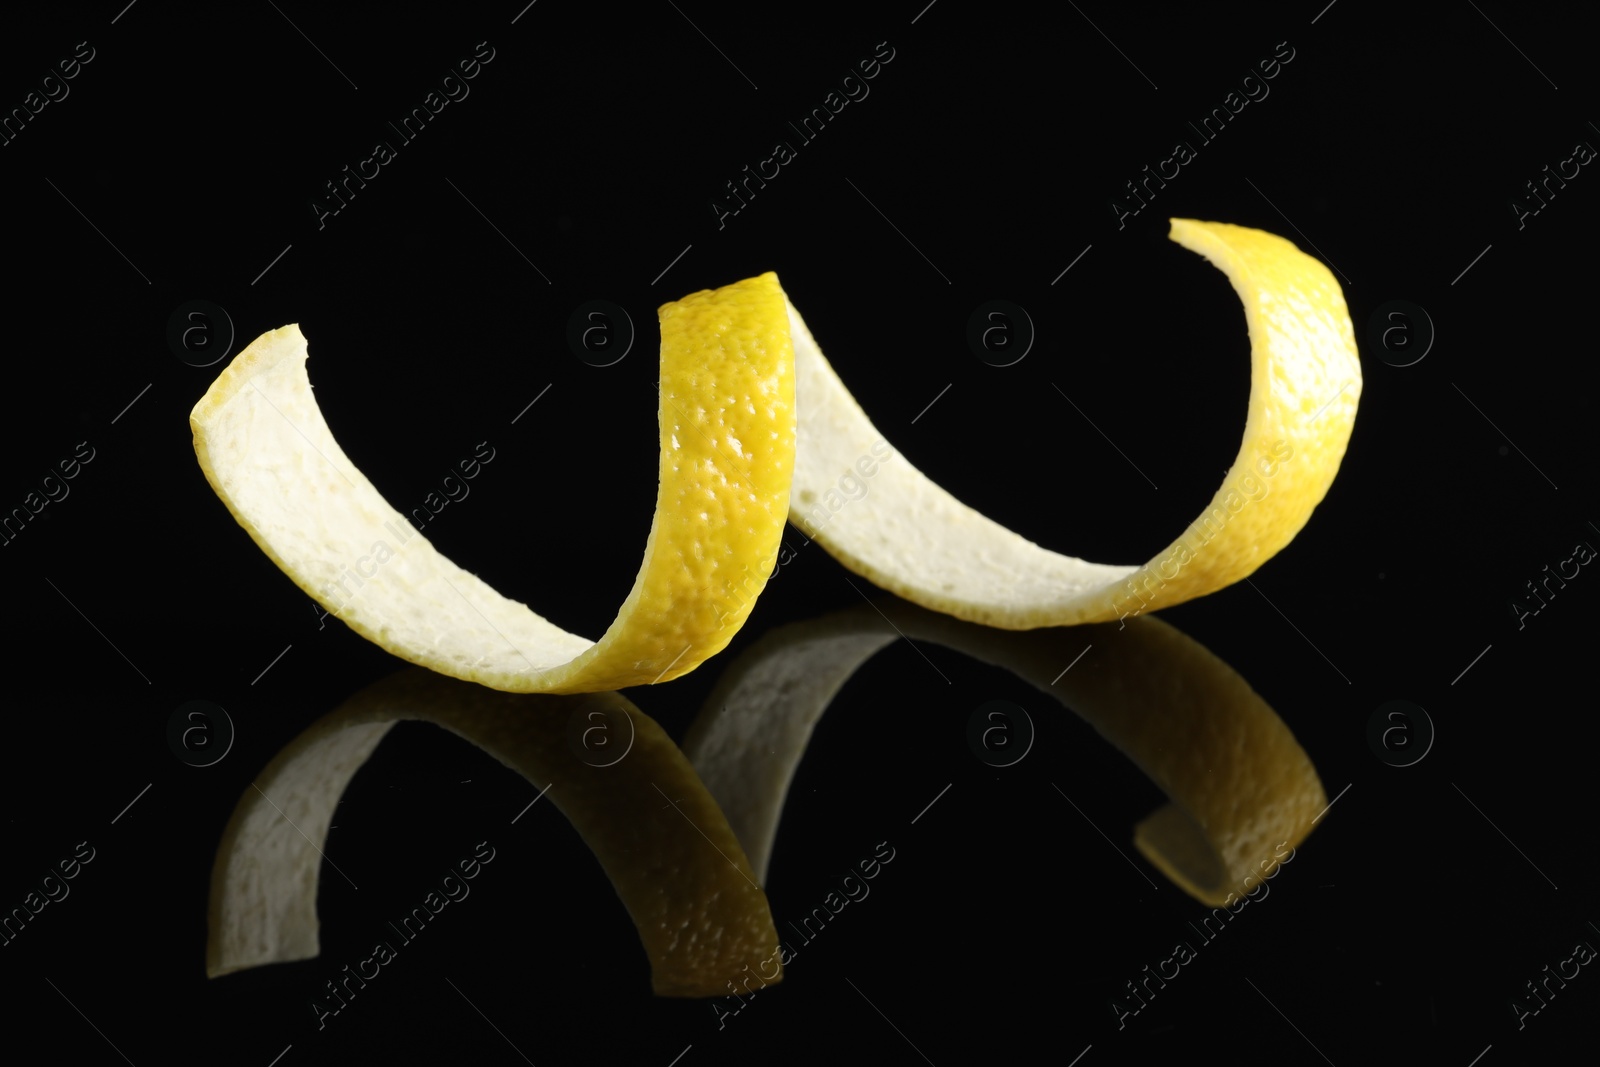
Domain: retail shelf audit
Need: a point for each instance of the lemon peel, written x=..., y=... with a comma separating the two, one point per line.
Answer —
x=911, y=537
x=772, y=428
x=1240, y=785
x=662, y=840
x=727, y=420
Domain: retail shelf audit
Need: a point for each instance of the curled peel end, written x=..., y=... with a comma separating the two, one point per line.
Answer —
x=894, y=526
x=727, y=457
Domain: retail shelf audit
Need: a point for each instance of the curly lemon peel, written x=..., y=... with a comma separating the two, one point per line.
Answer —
x=757, y=427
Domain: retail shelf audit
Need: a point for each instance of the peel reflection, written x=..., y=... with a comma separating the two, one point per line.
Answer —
x=699, y=911
x=1240, y=785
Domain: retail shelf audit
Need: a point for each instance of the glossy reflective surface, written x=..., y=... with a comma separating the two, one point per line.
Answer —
x=960, y=845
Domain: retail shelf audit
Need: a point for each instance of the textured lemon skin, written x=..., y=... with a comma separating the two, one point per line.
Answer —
x=727, y=460
x=909, y=536
x=653, y=827
x=727, y=456
x=1305, y=385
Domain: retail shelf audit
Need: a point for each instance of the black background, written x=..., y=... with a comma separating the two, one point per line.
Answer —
x=981, y=165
